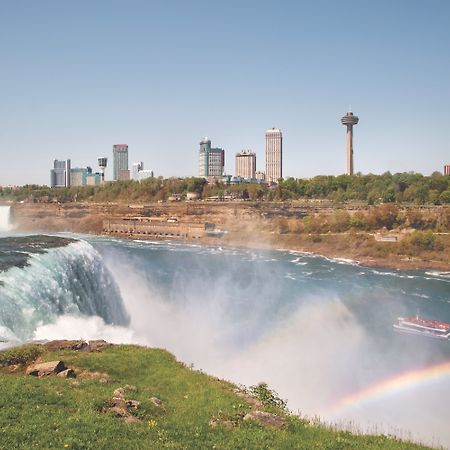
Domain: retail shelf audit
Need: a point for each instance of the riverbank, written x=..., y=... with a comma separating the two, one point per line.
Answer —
x=358, y=248
x=245, y=225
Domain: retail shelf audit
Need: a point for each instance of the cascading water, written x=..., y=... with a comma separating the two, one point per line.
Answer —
x=5, y=222
x=66, y=280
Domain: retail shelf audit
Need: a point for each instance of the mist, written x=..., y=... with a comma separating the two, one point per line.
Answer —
x=310, y=328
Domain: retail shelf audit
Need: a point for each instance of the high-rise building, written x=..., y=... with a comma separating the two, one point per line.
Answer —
x=349, y=120
x=211, y=160
x=274, y=155
x=447, y=169
x=246, y=164
x=120, y=161
x=78, y=176
x=60, y=174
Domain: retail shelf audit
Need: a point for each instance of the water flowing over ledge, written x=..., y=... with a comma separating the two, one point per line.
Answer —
x=71, y=279
x=5, y=222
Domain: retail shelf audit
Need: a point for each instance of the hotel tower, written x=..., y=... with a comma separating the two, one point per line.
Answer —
x=120, y=162
x=246, y=164
x=274, y=155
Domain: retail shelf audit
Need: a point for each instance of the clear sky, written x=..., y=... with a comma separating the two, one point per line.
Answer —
x=77, y=77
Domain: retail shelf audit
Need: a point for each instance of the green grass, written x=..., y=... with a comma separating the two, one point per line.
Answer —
x=20, y=355
x=56, y=413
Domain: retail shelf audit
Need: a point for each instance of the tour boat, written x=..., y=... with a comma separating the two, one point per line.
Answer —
x=425, y=327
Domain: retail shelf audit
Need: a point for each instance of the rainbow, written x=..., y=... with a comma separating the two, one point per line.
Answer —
x=390, y=386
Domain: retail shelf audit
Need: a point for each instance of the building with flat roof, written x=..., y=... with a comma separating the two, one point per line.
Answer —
x=144, y=173
x=135, y=169
x=120, y=161
x=94, y=179
x=447, y=169
x=211, y=161
x=245, y=164
x=60, y=174
x=78, y=175
x=260, y=175
x=274, y=155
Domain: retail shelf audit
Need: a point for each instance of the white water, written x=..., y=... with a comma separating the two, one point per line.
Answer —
x=69, y=280
x=5, y=220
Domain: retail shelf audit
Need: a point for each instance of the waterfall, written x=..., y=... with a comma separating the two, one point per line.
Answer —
x=66, y=280
x=5, y=224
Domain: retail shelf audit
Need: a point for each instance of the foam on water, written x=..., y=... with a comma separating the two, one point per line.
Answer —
x=67, y=280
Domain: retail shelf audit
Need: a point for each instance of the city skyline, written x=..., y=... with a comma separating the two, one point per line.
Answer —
x=74, y=85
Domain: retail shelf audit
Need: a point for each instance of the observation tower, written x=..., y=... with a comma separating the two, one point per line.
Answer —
x=102, y=163
x=349, y=119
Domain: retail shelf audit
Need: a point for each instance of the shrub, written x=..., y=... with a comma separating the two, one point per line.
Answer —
x=267, y=396
x=20, y=355
x=423, y=240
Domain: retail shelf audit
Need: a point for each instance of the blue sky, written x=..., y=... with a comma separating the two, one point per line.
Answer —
x=78, y=77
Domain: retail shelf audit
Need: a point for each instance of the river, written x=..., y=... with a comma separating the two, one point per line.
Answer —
x=318, y=331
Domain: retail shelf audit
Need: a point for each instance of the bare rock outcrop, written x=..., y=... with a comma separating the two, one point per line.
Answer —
x=120, y=406
x=68, y=373
x=65, y=344
x=46, y=368
x=266, y=419
x=77, y=345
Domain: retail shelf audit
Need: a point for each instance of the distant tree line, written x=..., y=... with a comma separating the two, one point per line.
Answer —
x=387, y=216
x=370, y=189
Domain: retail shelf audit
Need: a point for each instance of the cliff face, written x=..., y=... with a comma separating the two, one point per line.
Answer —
x=246, y=224
x=89, y=217
x=54, y=217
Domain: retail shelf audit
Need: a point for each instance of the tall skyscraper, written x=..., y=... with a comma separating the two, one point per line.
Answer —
x=60, y=174
x=120, y=161
x=211, y=161
x=246, y=164
x=349, y=120
x=447, y=169
x=274, y=155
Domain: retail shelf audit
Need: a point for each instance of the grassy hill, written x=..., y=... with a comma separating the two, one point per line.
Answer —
x=132, y=397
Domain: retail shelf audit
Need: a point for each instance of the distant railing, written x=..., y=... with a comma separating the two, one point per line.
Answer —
x=154, y=229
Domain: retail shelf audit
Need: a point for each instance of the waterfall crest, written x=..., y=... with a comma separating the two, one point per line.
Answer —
x=66, y=280
x=5, y=221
